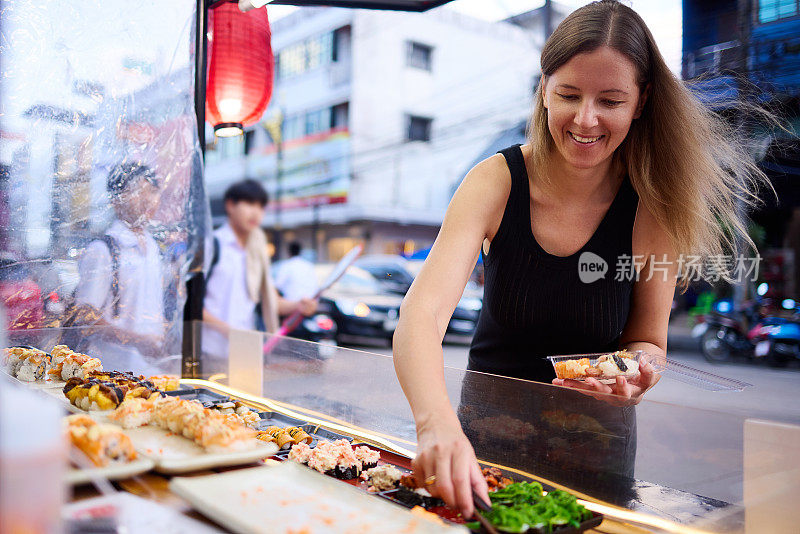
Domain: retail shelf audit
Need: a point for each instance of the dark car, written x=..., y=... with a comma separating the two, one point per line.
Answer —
x=360, y=306
x=396, y=274
x=390, y=271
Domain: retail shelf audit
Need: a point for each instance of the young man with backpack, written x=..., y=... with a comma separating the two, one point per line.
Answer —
x=238, y=276
x=120, y=287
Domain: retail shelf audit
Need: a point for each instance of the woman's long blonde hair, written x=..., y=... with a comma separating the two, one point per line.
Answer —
x=689, y=167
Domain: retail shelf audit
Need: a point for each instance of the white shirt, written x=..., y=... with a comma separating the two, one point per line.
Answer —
x=227, y=297
x=141, y=294
x=296, y=279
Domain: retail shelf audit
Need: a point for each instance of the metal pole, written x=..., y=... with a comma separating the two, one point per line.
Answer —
x=279, y=197
x=548, y=19
x=195, y=286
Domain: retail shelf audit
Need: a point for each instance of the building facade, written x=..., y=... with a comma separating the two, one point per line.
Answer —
x=749, y=51
x=379, y=113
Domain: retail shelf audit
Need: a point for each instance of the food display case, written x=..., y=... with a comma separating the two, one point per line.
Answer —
x=650, y=467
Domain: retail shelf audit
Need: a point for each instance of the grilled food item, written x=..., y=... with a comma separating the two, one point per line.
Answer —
x=278, y=435
x=285, y=438
x=100, y=394
x=165, y=382
x=102, y=444
x=495, y=479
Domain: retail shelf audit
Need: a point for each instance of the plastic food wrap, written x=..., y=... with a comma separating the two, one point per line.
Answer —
x=101, y=203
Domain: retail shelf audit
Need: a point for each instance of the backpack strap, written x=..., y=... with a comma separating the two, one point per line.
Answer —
x=113, y=249
x=214, y=259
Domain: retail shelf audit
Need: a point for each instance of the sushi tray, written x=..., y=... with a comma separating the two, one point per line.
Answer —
x=172, y=453
x=117, y=471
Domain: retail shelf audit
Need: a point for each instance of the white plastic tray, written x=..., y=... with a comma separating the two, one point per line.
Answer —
x=117, y=471
x=289, y=496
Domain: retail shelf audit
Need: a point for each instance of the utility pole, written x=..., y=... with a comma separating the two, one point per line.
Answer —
x=274, y=128
x=547, y=19
x=743, y=127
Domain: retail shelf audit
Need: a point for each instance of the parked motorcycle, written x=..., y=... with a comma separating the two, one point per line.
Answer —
x=727, y=332
x=777, y=339
x=754, y=332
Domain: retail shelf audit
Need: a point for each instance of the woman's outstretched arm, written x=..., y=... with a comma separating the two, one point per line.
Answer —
x=443, y=450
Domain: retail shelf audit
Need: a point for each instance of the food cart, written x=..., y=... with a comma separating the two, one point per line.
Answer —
x=695, y=470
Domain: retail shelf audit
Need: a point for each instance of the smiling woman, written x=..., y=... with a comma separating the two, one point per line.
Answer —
x=583, y=229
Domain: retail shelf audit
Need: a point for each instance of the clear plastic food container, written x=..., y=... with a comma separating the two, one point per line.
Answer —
x=583, y=366
x=603, y=366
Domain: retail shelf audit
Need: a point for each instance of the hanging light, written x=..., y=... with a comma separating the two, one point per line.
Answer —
x=240, y=68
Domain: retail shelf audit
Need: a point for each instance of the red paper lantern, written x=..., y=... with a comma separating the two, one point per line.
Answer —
x=240, y=68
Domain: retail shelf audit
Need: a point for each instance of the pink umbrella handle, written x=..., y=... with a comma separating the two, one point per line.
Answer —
x=288, y=325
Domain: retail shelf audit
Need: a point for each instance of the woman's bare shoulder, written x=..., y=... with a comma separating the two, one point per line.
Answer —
x=484, y=192
x=489, y=178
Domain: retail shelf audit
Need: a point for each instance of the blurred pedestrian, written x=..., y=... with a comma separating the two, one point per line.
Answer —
x=121, y=274
x=295, y=277
x=238, y=277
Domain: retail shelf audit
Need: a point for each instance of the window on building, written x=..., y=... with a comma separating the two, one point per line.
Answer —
x=418, y=128
x=340, y=115
x=772, y=10
x=341, y=43
x=419, y=55
x=318, y=121
x=294, y=127
x=292, y=60
x=305, y=56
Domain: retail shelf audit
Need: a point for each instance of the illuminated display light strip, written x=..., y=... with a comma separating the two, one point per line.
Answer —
x=304, y=412
x=270, y=405
x=610, y=511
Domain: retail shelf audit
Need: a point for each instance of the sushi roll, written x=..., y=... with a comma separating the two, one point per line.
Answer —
x=33, y=365
x=323, y=459
x=216, y=436
x=299, y=435
x=347, y=465
x=102, y=444
x=282, y=437
x=368, y=457
x=250, y=419
x=417, y=497
x=59, y=355
x=617, y=364
x=132, y=413
x=13, y=359
x=382, y=478
x=300, y=453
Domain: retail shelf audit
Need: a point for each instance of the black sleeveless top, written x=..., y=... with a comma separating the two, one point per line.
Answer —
x=537, y=304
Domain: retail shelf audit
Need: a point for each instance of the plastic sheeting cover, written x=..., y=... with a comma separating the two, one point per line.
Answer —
x=86, y=86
